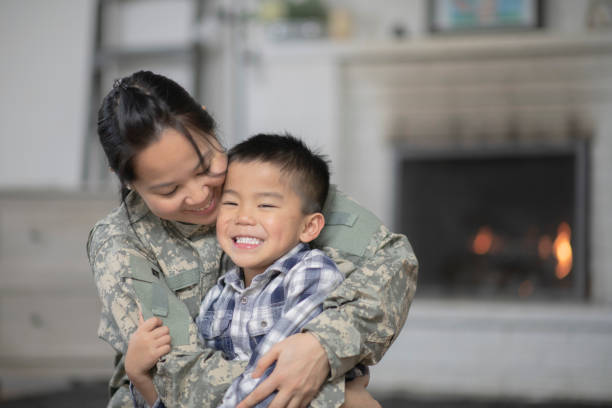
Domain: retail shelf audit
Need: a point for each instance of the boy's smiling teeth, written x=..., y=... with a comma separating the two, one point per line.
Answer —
x=247, y=240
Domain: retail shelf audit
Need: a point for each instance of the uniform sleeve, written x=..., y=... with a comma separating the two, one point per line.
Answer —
x=307, y=288
x=362, y=317
x=189, y=375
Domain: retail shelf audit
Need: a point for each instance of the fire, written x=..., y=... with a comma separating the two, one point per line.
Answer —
x=545, y=247
x=483, y=241
x=563, y=251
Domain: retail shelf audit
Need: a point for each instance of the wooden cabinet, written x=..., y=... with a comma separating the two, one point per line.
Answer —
x=49, y=308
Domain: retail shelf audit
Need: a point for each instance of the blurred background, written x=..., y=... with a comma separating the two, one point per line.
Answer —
x=480, y=129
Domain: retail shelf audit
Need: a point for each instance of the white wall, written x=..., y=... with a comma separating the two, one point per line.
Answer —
x=600, y=244
x=44, y=78
x=46, y=49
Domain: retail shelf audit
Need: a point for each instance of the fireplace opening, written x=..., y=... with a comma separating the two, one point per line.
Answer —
x=497, y=224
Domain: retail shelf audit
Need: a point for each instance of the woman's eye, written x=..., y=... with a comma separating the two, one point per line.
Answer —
x=169, y=193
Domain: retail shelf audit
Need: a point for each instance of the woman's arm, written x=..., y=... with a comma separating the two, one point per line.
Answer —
x=365, y=314
x=381, y=272
x=361, y=318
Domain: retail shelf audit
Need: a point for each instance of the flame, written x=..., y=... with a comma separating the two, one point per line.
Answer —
x=545, y=247
x=483, y=241
x=563, y=251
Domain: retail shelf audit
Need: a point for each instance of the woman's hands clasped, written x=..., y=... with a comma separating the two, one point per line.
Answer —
x=301, y=368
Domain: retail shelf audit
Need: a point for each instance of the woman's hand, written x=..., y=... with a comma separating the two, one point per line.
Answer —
x=356, y=395
x=301, y=368
x=148, y=343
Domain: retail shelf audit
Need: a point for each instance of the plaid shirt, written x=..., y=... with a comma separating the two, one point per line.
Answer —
x=245, y=323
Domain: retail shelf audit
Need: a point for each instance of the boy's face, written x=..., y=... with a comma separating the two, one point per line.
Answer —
x=260, y=218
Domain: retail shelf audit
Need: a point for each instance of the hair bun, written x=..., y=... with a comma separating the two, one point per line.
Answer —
x=120, y=83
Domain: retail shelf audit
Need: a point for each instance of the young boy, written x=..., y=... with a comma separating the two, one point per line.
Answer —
x=270, y=210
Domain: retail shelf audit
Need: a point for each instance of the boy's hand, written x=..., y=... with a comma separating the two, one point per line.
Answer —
x=148, y=343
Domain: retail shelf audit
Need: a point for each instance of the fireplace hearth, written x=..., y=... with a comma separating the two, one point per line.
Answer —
x=504, y=223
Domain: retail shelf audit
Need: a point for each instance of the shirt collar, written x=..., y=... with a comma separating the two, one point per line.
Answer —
x=281, y=265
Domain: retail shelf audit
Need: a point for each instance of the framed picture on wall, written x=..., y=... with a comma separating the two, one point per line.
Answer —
x=456, y=16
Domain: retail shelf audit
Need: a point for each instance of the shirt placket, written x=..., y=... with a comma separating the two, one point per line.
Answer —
x=243, y=300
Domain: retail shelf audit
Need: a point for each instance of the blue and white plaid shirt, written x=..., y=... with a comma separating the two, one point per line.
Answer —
x=245, y=323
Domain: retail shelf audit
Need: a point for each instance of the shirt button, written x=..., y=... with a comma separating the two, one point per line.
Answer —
x=244, y=300
x=264, y=324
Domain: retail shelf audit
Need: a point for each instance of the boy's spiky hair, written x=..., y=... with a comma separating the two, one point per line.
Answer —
x=309, y=171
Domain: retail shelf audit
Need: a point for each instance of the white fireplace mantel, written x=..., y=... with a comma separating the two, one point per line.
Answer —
x=441, y=48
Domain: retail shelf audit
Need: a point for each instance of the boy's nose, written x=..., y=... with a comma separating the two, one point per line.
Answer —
x=244, y=217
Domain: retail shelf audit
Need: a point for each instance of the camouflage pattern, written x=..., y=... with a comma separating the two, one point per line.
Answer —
x=359, y=323
x=363, y=316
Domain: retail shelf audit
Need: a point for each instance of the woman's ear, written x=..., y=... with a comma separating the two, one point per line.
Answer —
x=313, y=225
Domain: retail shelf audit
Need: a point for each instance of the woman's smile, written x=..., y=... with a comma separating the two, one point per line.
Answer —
x=205, y=208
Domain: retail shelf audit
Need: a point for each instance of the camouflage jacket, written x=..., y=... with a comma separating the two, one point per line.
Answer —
x=164, y=268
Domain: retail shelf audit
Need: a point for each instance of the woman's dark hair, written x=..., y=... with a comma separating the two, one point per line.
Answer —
x=135, y=113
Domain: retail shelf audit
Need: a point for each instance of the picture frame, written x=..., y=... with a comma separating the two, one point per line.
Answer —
x=599, y=15
x=474, y=16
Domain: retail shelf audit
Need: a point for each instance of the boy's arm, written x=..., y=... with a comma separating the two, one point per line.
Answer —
x=307, y=286
x=190, y=375
x=147, y=345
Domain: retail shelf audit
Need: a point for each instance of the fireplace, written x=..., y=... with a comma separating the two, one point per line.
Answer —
x=502, y=223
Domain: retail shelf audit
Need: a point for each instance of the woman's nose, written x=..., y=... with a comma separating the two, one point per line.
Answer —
x=196, y=193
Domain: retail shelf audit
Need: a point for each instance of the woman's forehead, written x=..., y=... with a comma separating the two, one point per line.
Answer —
x=171, y=154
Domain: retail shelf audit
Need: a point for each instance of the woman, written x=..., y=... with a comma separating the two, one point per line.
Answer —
x=157, y=254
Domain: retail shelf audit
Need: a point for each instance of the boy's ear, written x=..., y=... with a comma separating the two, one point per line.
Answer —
x=312, y=227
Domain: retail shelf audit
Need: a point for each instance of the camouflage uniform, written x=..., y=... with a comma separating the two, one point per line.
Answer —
x=165, y=268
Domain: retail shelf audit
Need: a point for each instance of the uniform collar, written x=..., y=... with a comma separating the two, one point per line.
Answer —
x=136, y=206
x=138, y=210
x=188, y=230
x=331, y=197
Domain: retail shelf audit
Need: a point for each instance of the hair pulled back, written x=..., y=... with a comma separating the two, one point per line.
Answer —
x=135, y=113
